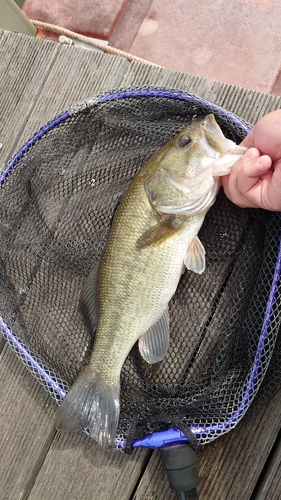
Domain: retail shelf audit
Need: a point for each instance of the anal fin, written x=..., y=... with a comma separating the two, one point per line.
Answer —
x=153, y=344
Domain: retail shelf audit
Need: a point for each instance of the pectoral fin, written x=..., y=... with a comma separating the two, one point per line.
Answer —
x=153, y=345
x=195, y=256
x=169, y=226
x=87, y=299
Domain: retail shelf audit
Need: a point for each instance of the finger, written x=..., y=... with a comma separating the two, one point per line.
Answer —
x=229, y=184
x=265, y=135
x=251, y=154
x=271, y=188
x=251, y=171
x=237, y=198
x=244, y=176
x=248, y=141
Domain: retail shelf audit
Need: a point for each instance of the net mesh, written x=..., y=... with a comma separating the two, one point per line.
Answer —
x=58, y=197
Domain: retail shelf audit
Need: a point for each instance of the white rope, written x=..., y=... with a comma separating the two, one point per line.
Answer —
x=106, y=48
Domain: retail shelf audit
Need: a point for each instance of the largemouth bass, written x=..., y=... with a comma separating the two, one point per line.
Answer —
x=153, y=239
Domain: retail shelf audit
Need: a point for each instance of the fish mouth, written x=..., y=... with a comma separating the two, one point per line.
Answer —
x=190, y=207
x=210, y=125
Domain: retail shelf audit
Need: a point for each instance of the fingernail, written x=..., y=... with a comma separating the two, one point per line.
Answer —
x=263, y=161
x=249, y=154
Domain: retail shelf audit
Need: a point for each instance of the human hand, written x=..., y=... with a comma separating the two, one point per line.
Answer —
x=255, y=179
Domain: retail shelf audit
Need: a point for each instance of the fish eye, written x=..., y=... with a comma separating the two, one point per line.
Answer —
x=184, y=141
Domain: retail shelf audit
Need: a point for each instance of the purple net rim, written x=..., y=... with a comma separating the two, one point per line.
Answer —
x=167, y=93
x=31, y=142
x=30, y=359
x=156, y=439
x=122, y=94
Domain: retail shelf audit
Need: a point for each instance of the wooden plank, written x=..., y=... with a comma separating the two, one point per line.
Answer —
x=76, y=467
x=230, y=466
x=30, y=454
x=270, y=486
x=140, y=74
x=24, y=66
x=248, y=104
x=75, y=75
x=26, y=421
x=2, y=342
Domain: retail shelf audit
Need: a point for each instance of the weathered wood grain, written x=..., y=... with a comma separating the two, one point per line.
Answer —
x=62, y=77
x=270, y=486
x=58, y=76
x=139, y=74
x=26, y=422
x=61, y=465
x=77, y=468
x=75, y=76
x=230, y=467
x=24, y=67
x=246, y=103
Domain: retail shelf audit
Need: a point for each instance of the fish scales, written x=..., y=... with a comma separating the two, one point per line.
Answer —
x=153, y=239
x=147, y=278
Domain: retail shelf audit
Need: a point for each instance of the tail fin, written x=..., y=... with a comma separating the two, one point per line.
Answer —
x=91, y=404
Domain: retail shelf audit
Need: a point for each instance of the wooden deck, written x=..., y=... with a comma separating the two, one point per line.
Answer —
x=39, y=79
